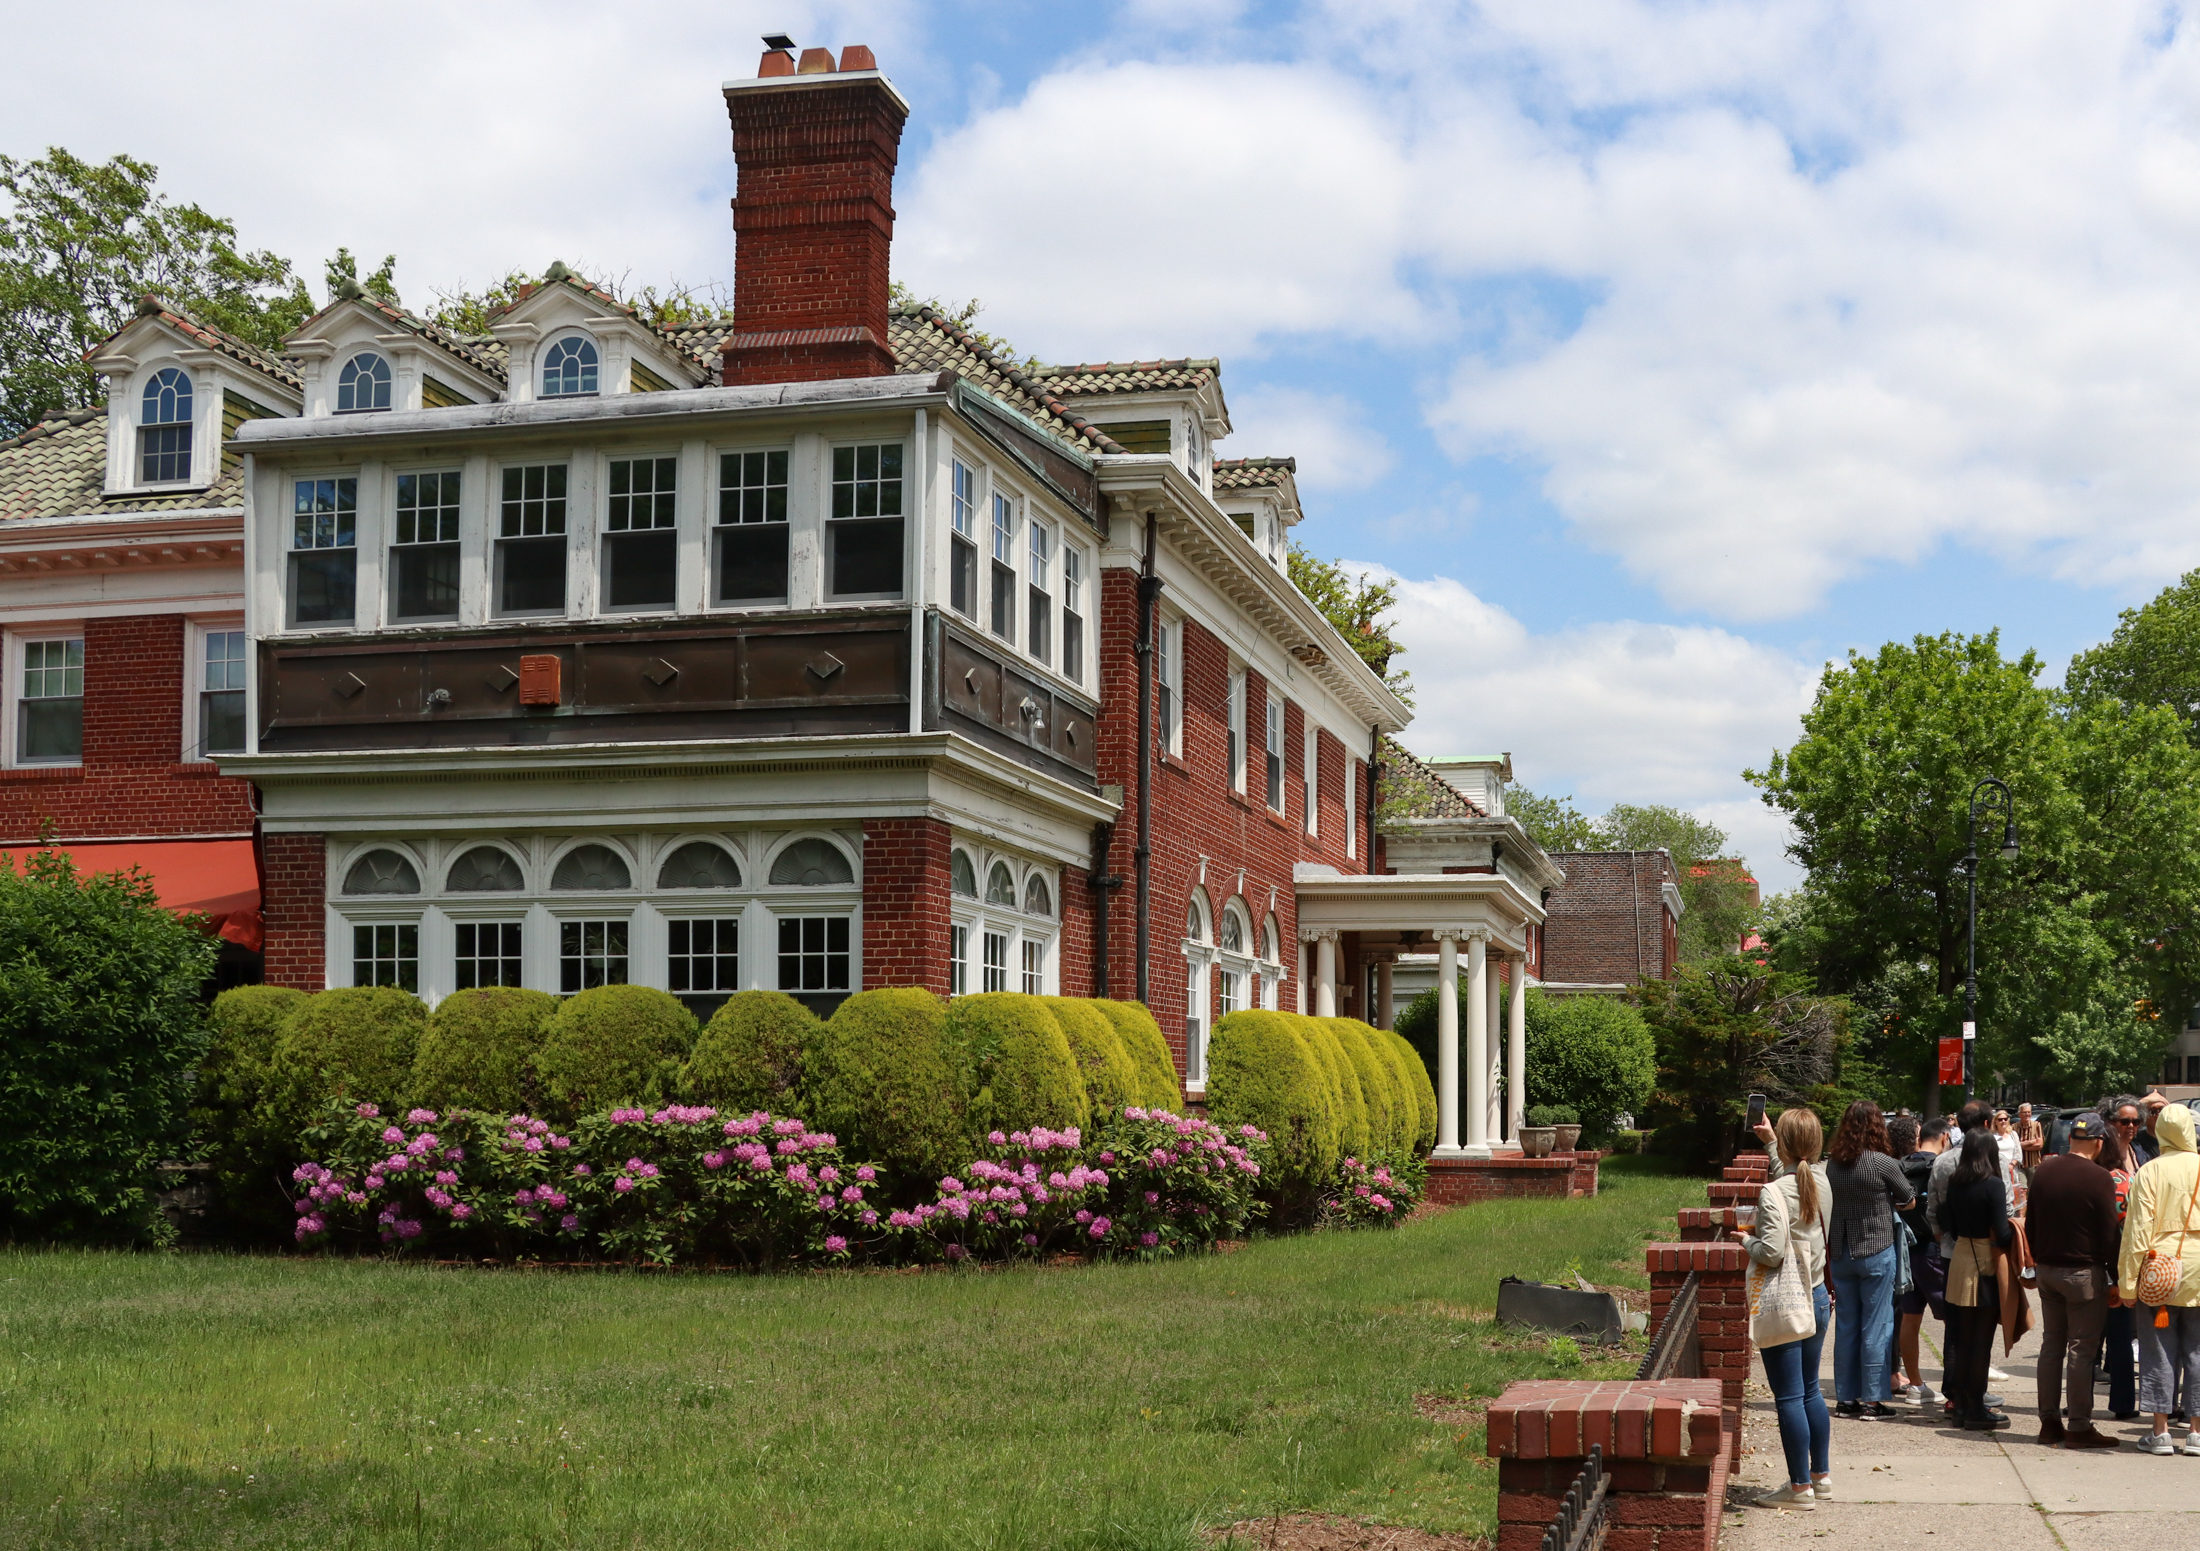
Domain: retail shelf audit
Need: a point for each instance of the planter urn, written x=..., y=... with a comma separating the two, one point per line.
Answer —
x=1537, y=1141
x=1568, y=1137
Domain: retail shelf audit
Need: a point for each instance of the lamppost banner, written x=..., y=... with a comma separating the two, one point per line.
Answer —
x=1951, y=1061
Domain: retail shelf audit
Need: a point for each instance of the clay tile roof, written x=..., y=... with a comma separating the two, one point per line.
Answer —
x=676, y=340
x=1418, y=791
x=486, y=355
x=923, y=341
x=700, y=339
x=1253, y=473
x=265, y=362
x=57, y=467
x=1127, y=376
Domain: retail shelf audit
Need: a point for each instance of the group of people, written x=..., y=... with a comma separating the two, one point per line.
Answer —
x=1964, y=1217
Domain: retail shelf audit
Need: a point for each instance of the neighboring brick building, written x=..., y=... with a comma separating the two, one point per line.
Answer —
x=1613, y=922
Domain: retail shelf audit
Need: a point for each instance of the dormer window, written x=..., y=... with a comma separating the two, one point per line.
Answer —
x=363, y=385
x=569, y=368
x=164, y=435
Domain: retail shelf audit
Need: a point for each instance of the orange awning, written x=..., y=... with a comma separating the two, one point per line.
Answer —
x=215, y=878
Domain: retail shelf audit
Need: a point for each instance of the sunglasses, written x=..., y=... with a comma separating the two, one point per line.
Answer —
x=2134, y=1120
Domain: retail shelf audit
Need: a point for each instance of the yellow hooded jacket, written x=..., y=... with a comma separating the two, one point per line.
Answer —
x=2162, y=1204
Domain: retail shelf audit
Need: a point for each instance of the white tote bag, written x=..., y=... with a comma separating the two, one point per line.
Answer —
x=1780, y=1307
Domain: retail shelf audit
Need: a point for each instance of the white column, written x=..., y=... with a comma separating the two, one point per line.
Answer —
x=1381, y=1009
x=1305, y=1000
x=1516, y=1066
x=1447, y=1043
x=1493, y=1093
x=1478, y=1044
x=1325, y=975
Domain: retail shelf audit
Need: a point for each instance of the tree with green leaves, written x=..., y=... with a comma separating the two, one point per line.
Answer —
x=1715, y=887
x=1551, y=822
x=2152, y=659
x=82, y=242
x=1358, y=607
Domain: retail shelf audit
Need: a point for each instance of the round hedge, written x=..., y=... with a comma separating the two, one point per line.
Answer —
x=478, y=1050
x=1262, y=1070
x=244, y=1023
x=878, y=1078
x=1351, y=1103
x=1423, y=1092
x=749, y=1056
x=354, y=1043
x=1593, y=1053
x=1158, y=1084
x=232, y=1117
x=1111, y=1078
x=1378, y=1086
x=612, y=1046
x=1014, y=1064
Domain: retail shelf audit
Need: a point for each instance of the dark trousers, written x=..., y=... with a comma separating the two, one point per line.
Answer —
x=1971, y=1348
x=2073, y=1310
x=2117, y=1336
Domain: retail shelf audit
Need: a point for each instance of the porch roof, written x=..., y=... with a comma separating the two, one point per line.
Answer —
x=1416, y=902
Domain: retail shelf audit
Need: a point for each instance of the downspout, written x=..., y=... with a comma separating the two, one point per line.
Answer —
x=1149, y=588
x=1374, y=778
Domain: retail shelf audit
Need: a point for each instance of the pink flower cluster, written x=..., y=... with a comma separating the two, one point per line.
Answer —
x=1371, y=1193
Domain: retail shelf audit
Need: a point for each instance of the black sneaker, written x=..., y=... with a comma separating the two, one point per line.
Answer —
x=1877, y=1411
x=1852, y=1409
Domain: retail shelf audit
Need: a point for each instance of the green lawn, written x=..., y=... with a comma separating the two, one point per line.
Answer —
x=202, y=1400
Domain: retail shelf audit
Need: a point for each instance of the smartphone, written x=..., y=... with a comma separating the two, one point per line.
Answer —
x=1756, y=1113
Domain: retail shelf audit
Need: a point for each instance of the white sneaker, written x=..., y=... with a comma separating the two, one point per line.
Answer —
x=1998, y=1376
x=1821, y=1487
x=2154, y=1443
x=1788, y=1495
x=1922, y=1395
x=2192, y=1445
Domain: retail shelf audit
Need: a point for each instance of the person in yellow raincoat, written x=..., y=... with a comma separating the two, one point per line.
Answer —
x=2164, y=1220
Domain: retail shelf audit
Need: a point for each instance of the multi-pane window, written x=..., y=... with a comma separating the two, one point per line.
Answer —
x=324, y=545
x=813, y=953
x=424, y=551
x=531, y=540
x=1169, y=675
x=865, y=544
x=386, y=954
x=221, y=694
x=1004, y=568
x=996, y=961
x=1275, y=754
x=1227, y=988
x=1195, y=1022
x=705, y=954
x=569, y=367
x=1237, y=732
x=1040, y=604
x=641, y=550
x=363, y=384
x=591, y=953
x=164, y=428
x=50, y=710
x=488, y=954
x=1035, y=964
x=752, y=527
x=958, y=962
x=963, y=544
x=1073, y=614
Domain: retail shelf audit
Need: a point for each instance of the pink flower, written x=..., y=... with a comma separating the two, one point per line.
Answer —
x=582, y=1170
x=570, y=1223
x=1084, y=1217
x=996, y=1138
x=392, y=1135
x=866, y=1173
x=533, y=1144
x=366, y=1112
x=622, y=1184
x=462, y=1211
x=420, y=1117
x=1099, y=1228
x=1149, y=1239
x=956, y=1252
x=561, y=1142
x=851, y=1194
x=835, y=1244
x=714, y=1160
x=373, y=1182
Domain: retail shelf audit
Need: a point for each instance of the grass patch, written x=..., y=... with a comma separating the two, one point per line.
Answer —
x=213, y=1401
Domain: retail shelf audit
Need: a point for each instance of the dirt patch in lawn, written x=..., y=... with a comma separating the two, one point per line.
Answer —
x=1451, y=1410
x=1329, y=1532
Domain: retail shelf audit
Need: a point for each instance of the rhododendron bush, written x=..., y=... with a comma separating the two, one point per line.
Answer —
x=688, y=1185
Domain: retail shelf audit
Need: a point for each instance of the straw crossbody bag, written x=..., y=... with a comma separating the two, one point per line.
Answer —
x=2159, y=1277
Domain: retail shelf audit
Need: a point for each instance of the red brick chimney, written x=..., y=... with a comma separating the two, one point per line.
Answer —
x=813, y=220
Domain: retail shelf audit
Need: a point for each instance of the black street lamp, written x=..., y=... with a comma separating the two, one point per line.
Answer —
x=2006, y=806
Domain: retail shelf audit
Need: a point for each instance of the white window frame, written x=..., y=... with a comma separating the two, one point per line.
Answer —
x=1274, y=793
x=911, y=480
x=1169, y=676
x=1076, y=578
x=1310, y=781
x=11, y=695
x=1240, y=754
x=965, y=510
x=715, y=531
x=604, y=536
x=973, y=918
x=1199, y=990
x=1041, y=557
x=196, y=630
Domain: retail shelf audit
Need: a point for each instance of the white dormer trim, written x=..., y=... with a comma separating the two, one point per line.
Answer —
x=346, y=328
x=555, y=310
x=131, y=360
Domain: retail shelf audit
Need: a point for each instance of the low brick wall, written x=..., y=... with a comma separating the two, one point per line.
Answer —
x=1725, y=1192
x=1458, y=1181
x=1666, y=1443
x=1706, y=1224
x=1722, y=1311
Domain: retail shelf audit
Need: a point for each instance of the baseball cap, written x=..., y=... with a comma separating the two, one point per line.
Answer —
x=2088, y=1127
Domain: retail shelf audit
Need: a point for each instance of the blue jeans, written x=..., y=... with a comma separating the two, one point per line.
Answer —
x=1792, y=1370
x=1863, y=1338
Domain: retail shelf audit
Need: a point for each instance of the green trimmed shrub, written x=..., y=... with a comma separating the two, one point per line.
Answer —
x=478, y=1051
x=354, y=1043
x=1344, y=1080
x=1014, y=1064
x=1262, y=1070
x=1551, y=1115
x=878, y=1079
x=228, y=1120
x=1111, y=1078
x=1423, y=1091
x=1595, y=1054
x=612, y=1046
x=1159, y=1087
x=749, y=1056
x=1389, y=1111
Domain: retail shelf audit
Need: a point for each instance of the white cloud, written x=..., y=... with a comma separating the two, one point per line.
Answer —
x=1610, y=712
x=1327, y=433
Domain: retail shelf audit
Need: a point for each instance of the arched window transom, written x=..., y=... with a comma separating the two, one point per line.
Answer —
x=1038, y=899
x=963, y=877
x=591, y=867
x=382, y=872
x=1000, y=886
x=484, y=870
x=569, y=367
x=811, y=864
x=699, y=865
x=363, y=384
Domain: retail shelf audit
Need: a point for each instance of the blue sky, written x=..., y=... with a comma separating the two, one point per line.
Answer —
x=1662, y=349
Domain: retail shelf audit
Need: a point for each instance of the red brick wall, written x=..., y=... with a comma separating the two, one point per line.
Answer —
x=1075, y=945
x=1608, y=922
x=294, y=870
x=132, y=780
x=1196, y=813
x=905, y=903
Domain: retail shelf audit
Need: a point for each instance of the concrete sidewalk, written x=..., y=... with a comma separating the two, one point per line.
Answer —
x=1889, y=1477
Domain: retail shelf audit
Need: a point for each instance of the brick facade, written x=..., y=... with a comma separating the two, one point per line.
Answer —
x=294, y=870
x=1561, y=1176
x=133, y=779
x=1608, y=923
x=906, y=939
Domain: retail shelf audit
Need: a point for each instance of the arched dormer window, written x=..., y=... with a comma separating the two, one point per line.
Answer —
x=1000, y=886
x=363, y=384
x=164, y=429
x=569, y=368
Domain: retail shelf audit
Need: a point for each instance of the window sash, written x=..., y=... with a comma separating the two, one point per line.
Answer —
x=592, y=953
x=867, y=480
x=533, y=504
x=1034, y=967
x=386, y=954
x=962, y=578
x=164, y=454
x=489, y=954
x=644, y=494
x=996, y=961
x=641, y=569
x=958, y=962
x=703, y=954
x=752, y=488
x=324, y=514
x=1004, y=531
x=813, y=953
x=427, y=508
x=963, y=500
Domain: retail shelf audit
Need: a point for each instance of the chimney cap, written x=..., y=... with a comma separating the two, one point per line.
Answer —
x=778, y=40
